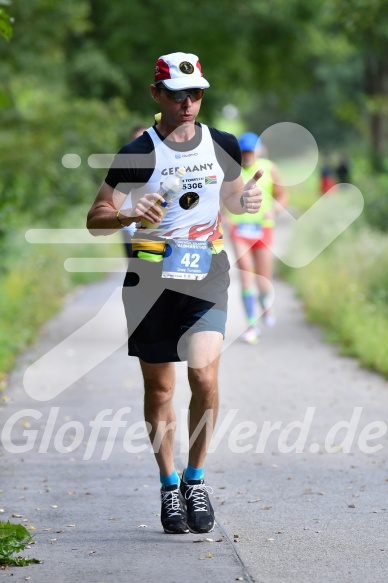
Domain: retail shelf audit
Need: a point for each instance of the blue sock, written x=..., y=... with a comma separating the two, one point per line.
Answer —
x=170, y=480
x=191, y=473
x=249, y=300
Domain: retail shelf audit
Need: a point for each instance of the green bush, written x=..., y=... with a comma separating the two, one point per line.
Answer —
x=375, y=191
x=345, y=289
x=43, y=124
x=34, y=283
x=374, y=188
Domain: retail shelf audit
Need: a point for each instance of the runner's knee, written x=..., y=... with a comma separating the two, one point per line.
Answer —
x=156, y=394
x=203, y=383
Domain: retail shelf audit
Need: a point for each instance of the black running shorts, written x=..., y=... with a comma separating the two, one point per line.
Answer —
x=159, y=311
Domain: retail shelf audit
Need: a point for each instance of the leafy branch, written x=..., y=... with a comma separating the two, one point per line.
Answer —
x=13, y=539
x=5, y=21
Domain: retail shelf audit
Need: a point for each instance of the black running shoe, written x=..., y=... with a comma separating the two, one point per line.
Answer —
x=200, y=513
x=173, y=515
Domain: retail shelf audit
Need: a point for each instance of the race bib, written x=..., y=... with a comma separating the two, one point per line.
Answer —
x=186, y=259
x=249, y=231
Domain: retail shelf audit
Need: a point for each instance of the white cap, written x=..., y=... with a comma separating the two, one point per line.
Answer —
x=180, y=71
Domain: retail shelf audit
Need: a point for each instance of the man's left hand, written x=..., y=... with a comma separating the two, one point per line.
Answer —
x=251, y=197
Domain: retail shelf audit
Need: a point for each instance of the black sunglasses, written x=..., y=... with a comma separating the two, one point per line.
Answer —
x=181, y=95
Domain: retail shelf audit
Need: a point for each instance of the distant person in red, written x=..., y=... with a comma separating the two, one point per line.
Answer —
x=328, y=179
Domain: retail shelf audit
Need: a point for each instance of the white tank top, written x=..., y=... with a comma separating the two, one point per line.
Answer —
x=195, y=212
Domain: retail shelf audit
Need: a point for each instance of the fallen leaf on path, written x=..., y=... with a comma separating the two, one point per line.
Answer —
x=208, y=556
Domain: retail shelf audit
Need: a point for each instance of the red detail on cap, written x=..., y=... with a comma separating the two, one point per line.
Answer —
x=162, y=70
x=198, y=65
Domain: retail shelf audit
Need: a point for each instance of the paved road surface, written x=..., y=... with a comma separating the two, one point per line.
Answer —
x=316, y=515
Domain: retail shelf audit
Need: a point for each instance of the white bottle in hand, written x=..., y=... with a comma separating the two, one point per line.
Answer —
x=169, y=189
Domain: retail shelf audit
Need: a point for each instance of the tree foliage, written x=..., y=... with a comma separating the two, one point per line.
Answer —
x=5, y=21
x=75, y=77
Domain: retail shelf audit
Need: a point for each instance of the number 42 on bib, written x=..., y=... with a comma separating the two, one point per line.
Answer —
x=187, y=259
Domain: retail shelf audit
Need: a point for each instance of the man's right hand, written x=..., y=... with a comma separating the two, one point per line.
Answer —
x=147, y=207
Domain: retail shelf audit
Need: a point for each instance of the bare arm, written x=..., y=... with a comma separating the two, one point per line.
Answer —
x=103, y=214
x=279, y=193
x=236, y=192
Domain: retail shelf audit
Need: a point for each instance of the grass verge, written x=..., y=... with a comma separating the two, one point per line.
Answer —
x=34, y=284
x=345, y=290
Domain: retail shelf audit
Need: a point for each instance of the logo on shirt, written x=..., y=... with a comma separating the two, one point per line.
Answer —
x=189, y=200
x=210, y=180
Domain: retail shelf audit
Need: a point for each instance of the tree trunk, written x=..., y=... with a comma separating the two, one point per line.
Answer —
x=376, y=82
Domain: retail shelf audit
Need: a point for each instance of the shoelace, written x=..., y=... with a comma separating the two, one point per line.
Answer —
x=171, y=502
x=198, y=493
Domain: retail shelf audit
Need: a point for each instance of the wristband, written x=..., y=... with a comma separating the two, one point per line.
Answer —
x=118, y=218
x=242, y=201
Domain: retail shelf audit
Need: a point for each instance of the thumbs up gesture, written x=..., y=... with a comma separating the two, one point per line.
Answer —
x=251, y=197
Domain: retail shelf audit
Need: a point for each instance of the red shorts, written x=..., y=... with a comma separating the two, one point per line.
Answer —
x=262, y=239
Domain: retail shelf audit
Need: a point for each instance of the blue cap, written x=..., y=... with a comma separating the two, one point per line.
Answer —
x=249, y=142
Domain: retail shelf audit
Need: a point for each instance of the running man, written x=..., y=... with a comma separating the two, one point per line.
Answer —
x=187, y=320
x=252, y=236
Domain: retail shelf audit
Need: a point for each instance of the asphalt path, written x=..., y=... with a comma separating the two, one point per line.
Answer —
x=298, y=463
